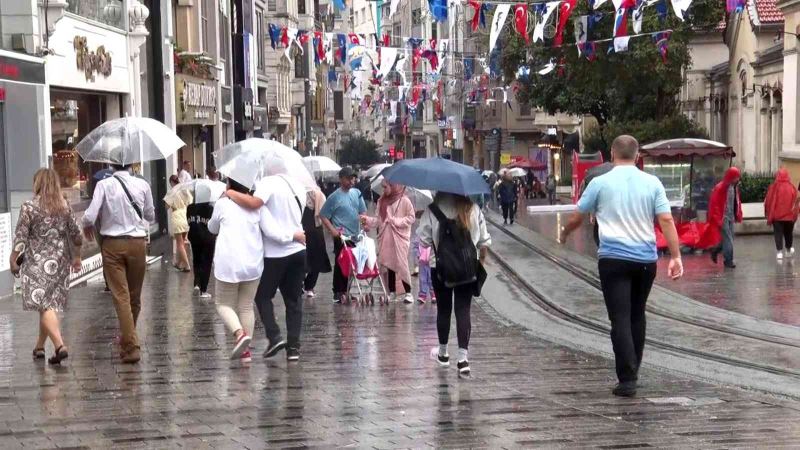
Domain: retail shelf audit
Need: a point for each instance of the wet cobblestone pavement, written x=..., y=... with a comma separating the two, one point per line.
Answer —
x=365, y=381
x=760, y=286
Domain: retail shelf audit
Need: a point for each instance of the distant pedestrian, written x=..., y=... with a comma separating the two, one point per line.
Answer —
x=122, y=206
x=281, y=200
x=47, y=244
x=177, y=200
x=508, y=198
x=238, y=265
x=185, y=174
x=725, y=209
x=625, y=202
x=550, y=187
x=780, y=209
x=340, y=215
x=203, y=242
x=453, y=217
x=394, y=221
x=317, y=261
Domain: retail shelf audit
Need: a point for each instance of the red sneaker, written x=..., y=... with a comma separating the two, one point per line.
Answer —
x=245, y=357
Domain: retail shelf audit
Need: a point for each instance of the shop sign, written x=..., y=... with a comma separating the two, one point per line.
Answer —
x=227, y=103
x=505, y=159
x=20, y=70
x=197, y=100
x=91, y=63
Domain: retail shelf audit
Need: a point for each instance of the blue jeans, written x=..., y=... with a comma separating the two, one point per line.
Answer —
x=726, y=246
x=425, y=285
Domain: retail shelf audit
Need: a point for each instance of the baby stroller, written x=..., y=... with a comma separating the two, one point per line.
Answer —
x=359, y=264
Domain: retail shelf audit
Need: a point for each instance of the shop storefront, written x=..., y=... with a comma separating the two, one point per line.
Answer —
x=196, y=118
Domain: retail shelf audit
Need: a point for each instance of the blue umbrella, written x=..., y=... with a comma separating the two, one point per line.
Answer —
x=437, y=174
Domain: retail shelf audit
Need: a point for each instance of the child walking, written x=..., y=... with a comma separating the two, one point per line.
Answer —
x=425, y=283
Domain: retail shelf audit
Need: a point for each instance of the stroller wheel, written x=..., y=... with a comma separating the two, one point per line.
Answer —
x=371, y=299
x=382, y=299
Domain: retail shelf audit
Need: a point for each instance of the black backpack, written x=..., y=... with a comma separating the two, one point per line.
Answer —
x=456, y=256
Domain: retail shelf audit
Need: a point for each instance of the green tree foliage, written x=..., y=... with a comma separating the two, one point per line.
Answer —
x=753, y=186
x=359, y=151
x=677, y=125
x=632, y=86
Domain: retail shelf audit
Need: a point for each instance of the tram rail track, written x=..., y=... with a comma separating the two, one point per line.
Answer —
x=543, y=301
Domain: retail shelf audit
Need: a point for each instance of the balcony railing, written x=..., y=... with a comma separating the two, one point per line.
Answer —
x=109, y=12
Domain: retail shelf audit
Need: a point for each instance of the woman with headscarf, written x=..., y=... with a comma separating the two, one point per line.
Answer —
x=316, y=251
x=725, y=209
x=394, y=221
x=780, y=209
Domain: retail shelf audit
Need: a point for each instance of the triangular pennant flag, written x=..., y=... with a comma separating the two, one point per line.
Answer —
x=284, y=37
x=661, y=9
x=621, y=44
x=393, y=7
x=621, y=22
x=388, y=60
x=593, y=20
x=565, y=10
x=340, y=5
x=680, y=7
x=581, y=28
x=521, y=20
x=662, y=40
x=438, y=9
x=498, y=21
x=549, y=67
x=469, y=65
x=546, y=10
x=477, y=7
x=594, y=4
x=341, y=40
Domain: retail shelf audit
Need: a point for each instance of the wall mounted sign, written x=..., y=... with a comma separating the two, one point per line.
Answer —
x=197, y=100
x=20, y=70
x=91, y=63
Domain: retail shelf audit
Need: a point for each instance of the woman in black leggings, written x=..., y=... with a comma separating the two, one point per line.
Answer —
x=458, y=298
x=780, y=208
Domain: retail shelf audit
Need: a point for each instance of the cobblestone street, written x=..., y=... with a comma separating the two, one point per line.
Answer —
x=365, y=380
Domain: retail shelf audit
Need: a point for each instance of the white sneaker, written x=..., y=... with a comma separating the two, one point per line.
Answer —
x=780, y=255
x=196, y=290
x=408, y=299
x=392, y=297
x=205, y=295
x=309, y=294
x=790, y=253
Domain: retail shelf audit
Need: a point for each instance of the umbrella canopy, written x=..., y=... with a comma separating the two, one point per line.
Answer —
x=374, y=170
x=321, y=166
x=204, y=191
x=437, y=174
x=517, y=172
x=129, y=140
x=526, y=163
x=487, y=173
x=252, y=159
x=421, y=198
x=686, y=147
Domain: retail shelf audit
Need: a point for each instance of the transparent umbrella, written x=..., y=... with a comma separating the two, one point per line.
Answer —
x=129, y=140
x=252, y=159
x=374, y=170
x=322, y=166
x=202, y=190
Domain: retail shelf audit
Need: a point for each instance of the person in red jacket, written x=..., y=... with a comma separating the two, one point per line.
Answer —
x=780, y=209
x=725, y=209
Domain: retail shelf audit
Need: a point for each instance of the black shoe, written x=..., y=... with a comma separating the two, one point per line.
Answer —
x=730, y=266
x=337, y=298
x=714, y=256
x=626, y=389
x=292, y=354
x=443, y=361
x=505, y=222
x=463, y=369
x=273, y=349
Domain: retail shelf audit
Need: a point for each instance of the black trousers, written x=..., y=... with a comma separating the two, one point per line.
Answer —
x=447, y=298
x=391, y=279
x=310, y=281
x=509, y=211
x=286, y=274
x=626, y=286
x=339, y=280
x=784, y=232
x=202, y=257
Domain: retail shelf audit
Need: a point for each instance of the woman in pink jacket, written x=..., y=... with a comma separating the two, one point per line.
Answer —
x=394, y=221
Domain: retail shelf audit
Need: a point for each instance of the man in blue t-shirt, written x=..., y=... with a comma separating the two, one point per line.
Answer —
x=625, y=202
x=340, y=215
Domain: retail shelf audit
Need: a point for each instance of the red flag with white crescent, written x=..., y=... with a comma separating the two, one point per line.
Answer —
x=521, y=20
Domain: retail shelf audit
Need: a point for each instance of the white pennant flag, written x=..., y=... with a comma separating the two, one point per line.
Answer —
x=328, y=47
x=392, y=111
x=680, y=7
x=621, y=44
x=549, y=67
x=538, y=31
x=581, y=28
x=393, y=7
x=443, y=48
x=638, y=14
x=498, y=21
x=388, y=57
x=598, y=3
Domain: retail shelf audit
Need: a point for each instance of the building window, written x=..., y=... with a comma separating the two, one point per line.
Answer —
x=109, y=12
x=301, y=7
x=338, y=105
x=434, y=30
x=299, y=66
x=205, y=11
x=260, y=40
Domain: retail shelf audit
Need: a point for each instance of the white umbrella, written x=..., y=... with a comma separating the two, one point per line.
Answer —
x=374, y=170
x=517, y=172
x=252, y=159
x=487, y=173
x=129, y=140
x=321, y=166
x=421, y=198
x=204, y=191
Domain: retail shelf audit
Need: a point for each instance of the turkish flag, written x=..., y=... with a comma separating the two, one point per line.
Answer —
x=565, y=10
x=521, y=20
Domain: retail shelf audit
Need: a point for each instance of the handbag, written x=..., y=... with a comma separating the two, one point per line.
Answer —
x=481, y=274
x=346, y=260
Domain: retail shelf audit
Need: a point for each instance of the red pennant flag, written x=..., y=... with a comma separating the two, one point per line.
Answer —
x=521, y=20
x=565, y=10
x=303, y=38
x=284, y=37
x=346, y=82
x=415, y=57
x=387, y=40
x=320, y=48
x=477, y=16
x=354, y=39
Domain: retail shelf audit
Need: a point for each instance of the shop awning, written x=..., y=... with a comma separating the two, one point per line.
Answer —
x=686, y=147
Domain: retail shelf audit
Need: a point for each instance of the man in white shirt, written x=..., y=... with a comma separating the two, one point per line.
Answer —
x=121, y=210
x=185, y=174
x=284, y=257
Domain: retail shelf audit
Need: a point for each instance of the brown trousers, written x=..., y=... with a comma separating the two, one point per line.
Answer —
x=124, y=264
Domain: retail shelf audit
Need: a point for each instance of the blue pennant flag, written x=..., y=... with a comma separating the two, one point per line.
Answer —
x=332, y=78
x=661, y=9
x=339, y=4
x=438, y=9
x=342, y=40
x=494, y=64
x=414, y=42
x=469, y=67
x=274, y=35
x=592, y=21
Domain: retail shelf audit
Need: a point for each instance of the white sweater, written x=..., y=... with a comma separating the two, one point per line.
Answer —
x=428, y=229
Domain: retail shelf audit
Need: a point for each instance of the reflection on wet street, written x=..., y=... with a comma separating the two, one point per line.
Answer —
x=760, y=286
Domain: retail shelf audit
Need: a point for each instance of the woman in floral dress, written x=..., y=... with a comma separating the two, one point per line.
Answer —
x=49, y=242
